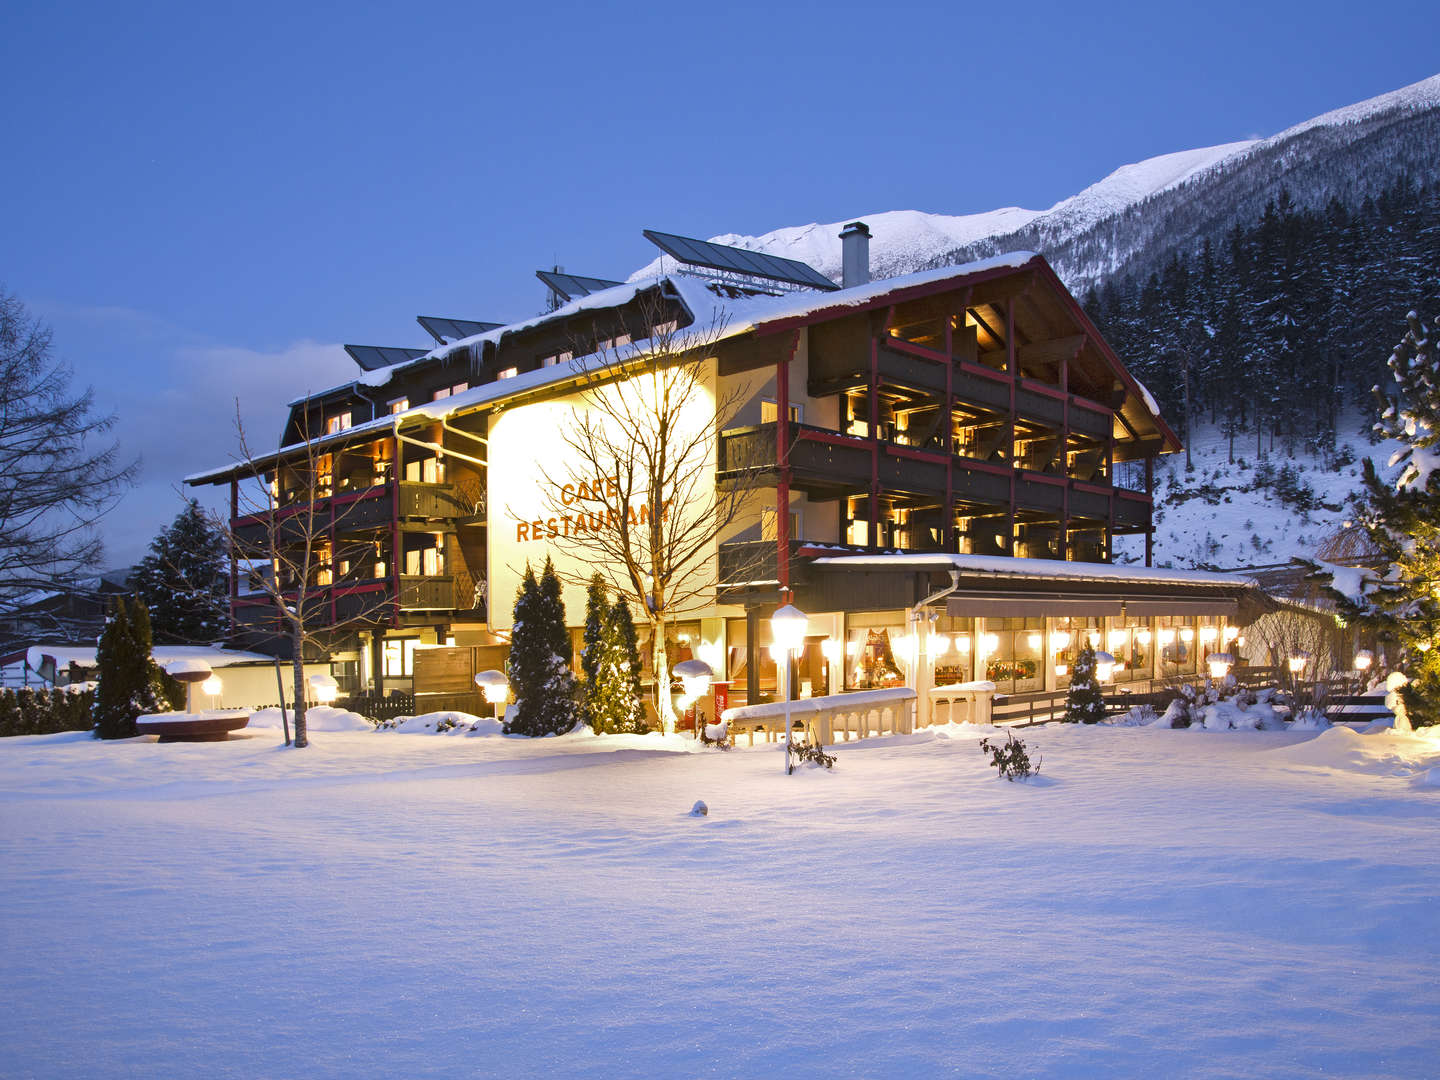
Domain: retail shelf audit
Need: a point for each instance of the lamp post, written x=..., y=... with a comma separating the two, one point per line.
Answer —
x=214, y=688
x=787, y=627
x=694, y=676
x=496, y=688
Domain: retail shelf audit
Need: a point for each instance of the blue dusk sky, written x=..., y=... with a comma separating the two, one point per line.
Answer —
x=205, y=200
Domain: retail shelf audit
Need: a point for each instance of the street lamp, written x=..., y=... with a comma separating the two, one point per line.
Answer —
x=787, y=627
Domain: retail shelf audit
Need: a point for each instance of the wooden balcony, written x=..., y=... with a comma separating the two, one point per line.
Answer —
x=358, y=602
x=351, y=513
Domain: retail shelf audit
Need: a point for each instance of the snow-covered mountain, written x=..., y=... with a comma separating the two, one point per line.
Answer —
x=1135, y=217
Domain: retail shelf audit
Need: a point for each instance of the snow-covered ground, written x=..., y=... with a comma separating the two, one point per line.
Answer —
x=1221, y=513
x=1160, y=903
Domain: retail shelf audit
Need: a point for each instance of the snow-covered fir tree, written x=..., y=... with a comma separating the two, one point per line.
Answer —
x=539, y=664
x=597, y=611
x=184, y=580
x=1084, y=704
x=1401, y=515
x=628, y=646
x=127, y=682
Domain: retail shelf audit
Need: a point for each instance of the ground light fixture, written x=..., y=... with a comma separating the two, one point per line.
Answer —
x=787, y=629
x=324, y=688
x=214, y=688
x=496, y=688
x=1363, y=659
x=1219, y=663
x=1104, y=666
x=695, y=677
x=1297, y=662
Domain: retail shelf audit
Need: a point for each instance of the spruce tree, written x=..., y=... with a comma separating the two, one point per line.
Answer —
x=126, y=673
x=1084, y=704
x=597, y=611
x=629, y=653
x=539, y=664
x=1401, y=516
x=184, y=580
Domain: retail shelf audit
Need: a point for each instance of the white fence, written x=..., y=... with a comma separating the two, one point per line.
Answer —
x=859, y=715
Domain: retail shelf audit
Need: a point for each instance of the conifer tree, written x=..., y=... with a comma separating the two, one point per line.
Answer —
x=539, y=664
x=597, y=611
x=629, y=651
x=125, y=671
x=184, y=580
x=1084, y=704
x=1401, y=515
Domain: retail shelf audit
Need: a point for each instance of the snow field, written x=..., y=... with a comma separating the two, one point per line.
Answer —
x=1176, y=903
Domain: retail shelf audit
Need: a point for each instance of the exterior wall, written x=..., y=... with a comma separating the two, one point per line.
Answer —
x=537, y=494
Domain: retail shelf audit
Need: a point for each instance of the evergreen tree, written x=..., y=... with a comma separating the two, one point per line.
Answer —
x=629, y=651
x=597, y=611
x=184, y=581
x=1402, y=518
x=539, y=664
x=1084, y=704
x=620, y=709
x=126, y=673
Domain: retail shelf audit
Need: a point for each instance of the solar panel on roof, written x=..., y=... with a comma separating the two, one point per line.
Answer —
x=739, y=261
x=449, y=331
x=573, y=286
x=374, y=357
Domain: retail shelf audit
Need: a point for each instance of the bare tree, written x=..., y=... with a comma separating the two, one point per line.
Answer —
x=288, y=545
x=642, y=506
x=57, y=476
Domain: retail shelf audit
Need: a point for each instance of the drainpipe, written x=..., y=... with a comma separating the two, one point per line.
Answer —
x=924, y=672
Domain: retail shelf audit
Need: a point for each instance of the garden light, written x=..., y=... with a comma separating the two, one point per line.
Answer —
x=1363, y=659
x=1297, y=662
x=1104, y=666
x=325, y=688
x=496, y=688
x=1219, y=665
x=695, y=677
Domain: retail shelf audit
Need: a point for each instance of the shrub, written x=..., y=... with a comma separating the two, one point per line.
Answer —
x=1010, y=757
x=44, y=712
x=801, y=753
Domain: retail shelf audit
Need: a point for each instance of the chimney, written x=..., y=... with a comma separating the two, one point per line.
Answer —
x=855, y=258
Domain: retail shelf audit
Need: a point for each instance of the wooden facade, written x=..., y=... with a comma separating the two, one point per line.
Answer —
x=966, y=411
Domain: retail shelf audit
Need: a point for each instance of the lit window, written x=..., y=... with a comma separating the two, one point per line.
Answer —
x=507, y=373
x=440, y=394
x=770, y=412
x=337, y=423
x=661, y=329
x=400, y=657
x=460, y=388
x=399, y=405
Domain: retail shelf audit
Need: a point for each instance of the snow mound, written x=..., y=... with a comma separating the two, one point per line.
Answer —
x=444, y=723
x=1347, y=750
x=317, y=718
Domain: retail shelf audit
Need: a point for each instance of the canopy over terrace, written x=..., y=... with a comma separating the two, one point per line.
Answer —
x=1000, y=587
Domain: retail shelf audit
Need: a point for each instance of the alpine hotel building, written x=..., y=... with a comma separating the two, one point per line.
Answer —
x=944, y=462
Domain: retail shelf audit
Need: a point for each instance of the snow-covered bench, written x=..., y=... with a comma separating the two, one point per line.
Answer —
x=214, y=725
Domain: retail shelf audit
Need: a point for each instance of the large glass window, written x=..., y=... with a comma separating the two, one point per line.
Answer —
x=1013, y=650
x=875, y=650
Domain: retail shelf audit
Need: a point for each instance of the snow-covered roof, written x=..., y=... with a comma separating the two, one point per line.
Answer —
x=713, y=318
x=1010, y=567
x=164, y=655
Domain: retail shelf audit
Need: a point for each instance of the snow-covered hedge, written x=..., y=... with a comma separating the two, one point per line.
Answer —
x=44, y=712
